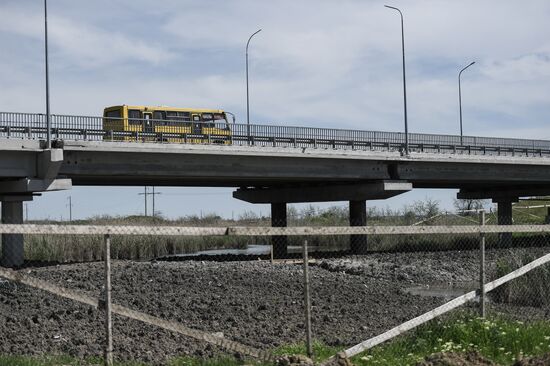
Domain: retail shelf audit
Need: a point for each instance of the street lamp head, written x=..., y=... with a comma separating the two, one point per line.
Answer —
x=393, y=7
x=473, y=62
x=252, y=35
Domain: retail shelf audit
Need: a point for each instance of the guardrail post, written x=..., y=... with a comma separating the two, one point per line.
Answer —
x=482, y=267
x=8, y=131
x=307, y=300
x=108, y=316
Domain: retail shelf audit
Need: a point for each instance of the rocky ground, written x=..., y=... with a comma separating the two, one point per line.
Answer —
x=257, y=303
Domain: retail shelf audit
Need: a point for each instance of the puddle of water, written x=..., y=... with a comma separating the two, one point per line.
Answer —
x=253, y=250
x=448, y=291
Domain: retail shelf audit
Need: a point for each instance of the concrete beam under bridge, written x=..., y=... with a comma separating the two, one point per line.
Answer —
x=504, y=197
x=498, y=193
x=326, y=193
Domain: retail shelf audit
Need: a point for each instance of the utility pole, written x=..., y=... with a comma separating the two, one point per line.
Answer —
x=154, y=193
x=26, y=212
x=145, y=194
x=70, y=208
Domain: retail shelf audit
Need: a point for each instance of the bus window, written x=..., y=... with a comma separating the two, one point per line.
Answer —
x=159, y=117
x=208, y=120
x=220, y=121
x=178, y=118
x=134, y=116
x=114, y=114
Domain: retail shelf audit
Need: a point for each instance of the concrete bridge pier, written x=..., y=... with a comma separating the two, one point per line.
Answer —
x=279, y=219
x=13, y=244
x=358, y=217
x=505, y=218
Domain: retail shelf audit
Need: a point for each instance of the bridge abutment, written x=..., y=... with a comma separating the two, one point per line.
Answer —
x=358, y=217
x=279, y=219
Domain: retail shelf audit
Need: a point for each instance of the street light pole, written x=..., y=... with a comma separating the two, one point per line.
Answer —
x=460, y=100
x=247, y=95
x=48, y=117
x=404, y=79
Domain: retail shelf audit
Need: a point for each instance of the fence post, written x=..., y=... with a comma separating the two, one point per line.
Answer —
x=108, y=319
x=482, y=267
x=307, y=300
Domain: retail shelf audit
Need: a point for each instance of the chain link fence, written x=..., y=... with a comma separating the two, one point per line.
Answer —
x=155, y=292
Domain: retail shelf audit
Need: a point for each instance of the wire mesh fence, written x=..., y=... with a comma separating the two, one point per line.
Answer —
x=170, y=302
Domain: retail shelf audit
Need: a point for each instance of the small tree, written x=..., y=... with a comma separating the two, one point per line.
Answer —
x=427, y=208
x=469, y=207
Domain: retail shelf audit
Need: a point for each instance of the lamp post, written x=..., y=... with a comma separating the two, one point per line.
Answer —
x=460, y=99
x=404, y=82
x=48, y=117
x=247, y=95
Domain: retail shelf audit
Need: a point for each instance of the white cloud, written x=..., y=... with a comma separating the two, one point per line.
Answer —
x=81, y=44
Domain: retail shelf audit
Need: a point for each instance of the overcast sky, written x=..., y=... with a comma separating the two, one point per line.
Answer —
x=315, y=63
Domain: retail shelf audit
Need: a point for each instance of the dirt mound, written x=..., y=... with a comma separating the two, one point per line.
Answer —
x=456, y=359
x=543, y=360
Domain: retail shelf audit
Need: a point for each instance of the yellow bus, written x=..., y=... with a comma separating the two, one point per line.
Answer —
x=166, y=124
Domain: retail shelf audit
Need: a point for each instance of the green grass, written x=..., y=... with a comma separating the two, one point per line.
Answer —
x=499, y=339
x=46, y=361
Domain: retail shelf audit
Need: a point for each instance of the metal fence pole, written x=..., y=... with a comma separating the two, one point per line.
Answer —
x=482, y=267
x=108, y=318
x=307, y=301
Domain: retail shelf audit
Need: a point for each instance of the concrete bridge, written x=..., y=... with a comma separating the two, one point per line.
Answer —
x=268, y=166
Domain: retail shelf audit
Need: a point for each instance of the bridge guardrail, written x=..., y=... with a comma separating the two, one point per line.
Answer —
x=69, y=127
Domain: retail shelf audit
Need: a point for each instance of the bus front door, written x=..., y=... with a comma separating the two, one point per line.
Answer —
x=196, y=129
x=148, y=123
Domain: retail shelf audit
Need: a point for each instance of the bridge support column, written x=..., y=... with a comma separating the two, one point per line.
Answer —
x=12, y=244
x=279, y=219
x=358, y=217
x=505, y=218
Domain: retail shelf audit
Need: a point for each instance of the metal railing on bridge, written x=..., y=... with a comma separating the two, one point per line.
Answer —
x=69, y=127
